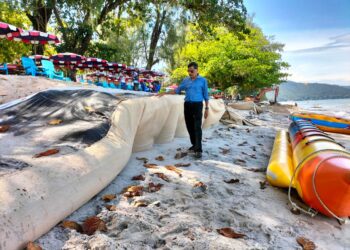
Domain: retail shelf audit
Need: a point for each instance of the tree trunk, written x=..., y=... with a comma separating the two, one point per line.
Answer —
x=39, y=18
x=157, y=29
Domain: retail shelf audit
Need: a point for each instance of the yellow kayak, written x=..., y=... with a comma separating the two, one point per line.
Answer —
x=324, y=122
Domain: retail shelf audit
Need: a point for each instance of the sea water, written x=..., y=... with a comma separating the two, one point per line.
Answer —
x=336, y=107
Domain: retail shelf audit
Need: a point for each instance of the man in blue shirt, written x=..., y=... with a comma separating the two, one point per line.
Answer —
x=196, y=88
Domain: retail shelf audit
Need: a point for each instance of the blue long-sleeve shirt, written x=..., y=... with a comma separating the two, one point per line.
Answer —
x=196, y=90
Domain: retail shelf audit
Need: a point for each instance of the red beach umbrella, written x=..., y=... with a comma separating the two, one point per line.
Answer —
x=6, y=30
x=91, y=63
x=112, y=66
x=67, y=59
x=38, y=58
x=34, y=37
x=159, y=74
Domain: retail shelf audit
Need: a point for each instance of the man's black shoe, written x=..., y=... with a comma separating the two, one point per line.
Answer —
x=198, y=155
x=190, y=150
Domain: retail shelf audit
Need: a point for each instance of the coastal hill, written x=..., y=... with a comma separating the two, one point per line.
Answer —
x=311, y=91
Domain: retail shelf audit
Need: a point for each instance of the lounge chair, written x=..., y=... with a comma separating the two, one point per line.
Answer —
x=112, y=86
x=144, y=87
x=157, y=88
x=105, y=84
x=4, y=68
x=30, y=68
x=50, y=72
x=123, y=85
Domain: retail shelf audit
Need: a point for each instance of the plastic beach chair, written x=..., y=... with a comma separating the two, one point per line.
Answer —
x=157, y=88
x=30, y=67
x=4, y=68
x=123, y=85
x=105, y=84
x=144, y=87
x=112, y=86
x=49, y=70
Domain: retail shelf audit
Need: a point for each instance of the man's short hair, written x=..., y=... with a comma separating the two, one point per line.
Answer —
x=192, y=64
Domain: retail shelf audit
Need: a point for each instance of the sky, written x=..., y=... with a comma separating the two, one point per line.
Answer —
x=316, y=34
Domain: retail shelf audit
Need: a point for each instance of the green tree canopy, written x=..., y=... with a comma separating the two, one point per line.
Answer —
x=10, y=50
x=228, y=60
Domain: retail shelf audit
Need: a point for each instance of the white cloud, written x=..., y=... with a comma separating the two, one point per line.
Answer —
x=318, y=55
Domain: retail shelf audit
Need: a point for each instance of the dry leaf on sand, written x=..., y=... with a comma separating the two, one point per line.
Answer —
x=140, y=203
x=306, y=243
x=132, y=191
x=4, y=128
x=228, y=232
x=182, y=164
x=162, y=176
x=108, y=197
x=173, y=168
x=225, y=151
x=144, y=159
x=93, y=224
x=150, y=165
x=160, y=158
x=55, y=122
x=72, y=225
x=138, y=178
x=33, y=246
x=180, y=155
x=231, y=181
x=154, y=187
x=200, y=185
x=47, y=153
x=263, y=184
x=111, y=207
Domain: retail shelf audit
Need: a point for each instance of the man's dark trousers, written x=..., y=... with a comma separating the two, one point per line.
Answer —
x=193, y=119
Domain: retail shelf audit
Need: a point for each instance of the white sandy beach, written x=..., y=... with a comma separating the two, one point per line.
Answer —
x=181, y=216
x=191, y=205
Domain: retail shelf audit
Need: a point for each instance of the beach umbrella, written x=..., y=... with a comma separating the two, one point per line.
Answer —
x=67, y=59
x=92, y=63
x=158, y=74
x=6, y=30
x=38, y=58
x=34, y=37
x=145, y=72
x=130, y=70
x=112, y=66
